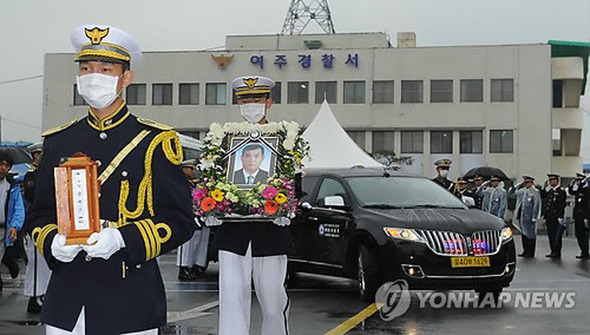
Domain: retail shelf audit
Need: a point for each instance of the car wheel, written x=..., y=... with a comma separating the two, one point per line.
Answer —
x=369, y=273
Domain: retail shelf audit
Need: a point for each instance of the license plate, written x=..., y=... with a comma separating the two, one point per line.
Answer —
x=470, y=262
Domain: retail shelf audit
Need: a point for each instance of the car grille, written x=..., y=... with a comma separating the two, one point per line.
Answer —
x=454, y=244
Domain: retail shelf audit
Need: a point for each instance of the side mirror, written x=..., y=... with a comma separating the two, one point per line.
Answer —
x=306, y=205
x=334, y=201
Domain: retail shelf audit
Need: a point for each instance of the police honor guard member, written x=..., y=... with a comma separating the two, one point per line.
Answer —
x=191, y=257
x=554, y=213
x=580, y=189
x=37, y=272
x=495, y=198
x=442, y=170
x=252, y=250
x=527, y=213
x=112, y=285
x=465, y=194
x=478, y=188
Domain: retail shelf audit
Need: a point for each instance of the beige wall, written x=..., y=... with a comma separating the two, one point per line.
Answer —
x=529, y=116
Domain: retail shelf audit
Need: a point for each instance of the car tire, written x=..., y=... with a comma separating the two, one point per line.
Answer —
x=369, y=273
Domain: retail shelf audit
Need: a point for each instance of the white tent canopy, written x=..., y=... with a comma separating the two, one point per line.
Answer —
x=331, y=147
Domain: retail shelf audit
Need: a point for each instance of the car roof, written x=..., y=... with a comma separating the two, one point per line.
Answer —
x=357, y=172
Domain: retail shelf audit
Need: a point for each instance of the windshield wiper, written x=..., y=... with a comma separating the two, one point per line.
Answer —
x=381, y=206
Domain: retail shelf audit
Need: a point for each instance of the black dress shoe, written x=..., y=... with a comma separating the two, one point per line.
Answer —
x=556, y=256
x=583, y=257
x=549, y=255
x=522, y=255
x=34, y=307
x=185, y=274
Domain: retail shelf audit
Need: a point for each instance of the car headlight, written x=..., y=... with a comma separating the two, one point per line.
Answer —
x=403, y=234
x=506, y=234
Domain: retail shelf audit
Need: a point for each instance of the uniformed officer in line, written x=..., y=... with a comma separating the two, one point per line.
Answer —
x=554, y=197
x=191, y=257
x=113, y=284
x=526, y=214
x=442, y=169
x=495, y=198
x=253, y=251
x=478, y=188
x=37, y=272
x=580, y=189
x=464, y=193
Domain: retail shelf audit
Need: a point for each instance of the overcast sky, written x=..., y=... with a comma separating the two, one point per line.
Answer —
x=29, y=29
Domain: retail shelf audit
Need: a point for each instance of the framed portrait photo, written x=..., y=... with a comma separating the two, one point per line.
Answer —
x=251, y=161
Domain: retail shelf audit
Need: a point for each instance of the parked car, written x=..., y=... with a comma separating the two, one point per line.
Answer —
x=377, y=226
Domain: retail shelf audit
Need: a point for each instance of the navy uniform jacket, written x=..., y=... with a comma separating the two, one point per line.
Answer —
x=582, y=201
x=266, y=238
x=29, y=184
x=447, y=185
x=125, y=293
x=555, y=203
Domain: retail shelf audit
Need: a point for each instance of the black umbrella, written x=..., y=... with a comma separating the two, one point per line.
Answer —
x=19, y=154
x=486, y=172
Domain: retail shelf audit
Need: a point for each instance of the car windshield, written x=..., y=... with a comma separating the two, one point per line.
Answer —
x=401, y=192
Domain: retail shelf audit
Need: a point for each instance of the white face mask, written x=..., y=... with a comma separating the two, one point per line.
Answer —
x=253, y=113
x=98, y=90
x=444, y=173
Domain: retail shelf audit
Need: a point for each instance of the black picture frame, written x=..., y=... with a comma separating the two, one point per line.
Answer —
x=241, y=145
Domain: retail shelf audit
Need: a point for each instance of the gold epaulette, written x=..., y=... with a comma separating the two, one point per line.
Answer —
x=59, y=128
x=32, y=169
x=154, y=124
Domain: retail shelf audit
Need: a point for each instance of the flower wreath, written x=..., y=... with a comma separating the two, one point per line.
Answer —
x=215, y=198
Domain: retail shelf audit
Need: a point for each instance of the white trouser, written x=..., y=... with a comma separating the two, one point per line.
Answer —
x=194, y=251
x=235, y=292
x=80, y=329
x=38, y=273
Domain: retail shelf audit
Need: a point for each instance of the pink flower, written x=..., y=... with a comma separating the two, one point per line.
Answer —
x=269, y=192
x=199, y=193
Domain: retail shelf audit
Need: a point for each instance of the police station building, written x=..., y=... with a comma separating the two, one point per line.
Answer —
x=516, y=107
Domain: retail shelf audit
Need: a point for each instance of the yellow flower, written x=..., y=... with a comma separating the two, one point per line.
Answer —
x=281, y=198
x=217, y=194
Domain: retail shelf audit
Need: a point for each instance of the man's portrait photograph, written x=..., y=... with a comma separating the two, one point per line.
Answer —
x=252, y=163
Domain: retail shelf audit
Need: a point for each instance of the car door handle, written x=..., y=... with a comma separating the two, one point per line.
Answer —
x=313, y=218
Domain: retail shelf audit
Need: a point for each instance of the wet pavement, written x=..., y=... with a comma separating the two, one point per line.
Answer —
x=320, y=304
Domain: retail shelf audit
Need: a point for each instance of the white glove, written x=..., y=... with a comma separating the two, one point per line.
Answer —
x=108, y=241
x=61, y=251
x=587, y=223
x=534, y=220
x=282, y=221
x=212, y=221
x=468, y=201
x=561, y=221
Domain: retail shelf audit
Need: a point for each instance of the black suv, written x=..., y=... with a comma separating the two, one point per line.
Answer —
x=378, y=226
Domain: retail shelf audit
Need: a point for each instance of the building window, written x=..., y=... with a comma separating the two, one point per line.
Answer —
x=556, y=142
x=472, y=90
x=358, y=137
x=275, y=93
x=412, y=142
x=441, y=91
x=327, y=90
x=383, y=92
x=382, y=141
x=354, y=92
x=216, y=94
x=298, y=92
x=557, y=93
x=78, y=100
x=188, y=94
x=502, y=90
x=471, y=142
x=161, y=94
x=441, y=142
x=136, y=94
x=501, y=141
x=412, y=91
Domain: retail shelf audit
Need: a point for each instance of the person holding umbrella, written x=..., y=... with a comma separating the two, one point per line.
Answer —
x=527, y=212
x=495, y=199
x=554, y=197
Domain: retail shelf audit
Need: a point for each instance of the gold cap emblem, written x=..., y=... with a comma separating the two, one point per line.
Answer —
x=250, y=82
x=96, y=35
